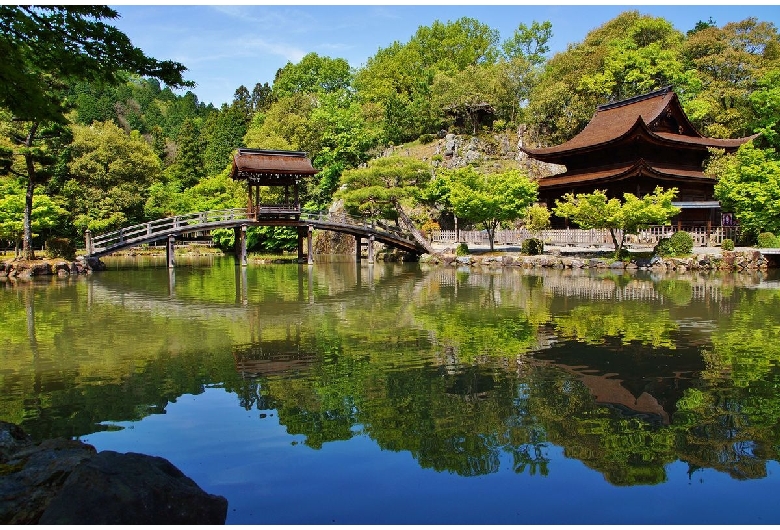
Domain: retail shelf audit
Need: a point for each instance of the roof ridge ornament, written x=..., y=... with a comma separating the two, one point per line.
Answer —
x=655, y=93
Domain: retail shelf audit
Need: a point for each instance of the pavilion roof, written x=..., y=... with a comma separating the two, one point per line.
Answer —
x=263, y=162
x=615, y=122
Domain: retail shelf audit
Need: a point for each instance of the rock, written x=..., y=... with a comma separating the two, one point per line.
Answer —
x=65, y=481
x=131, y=488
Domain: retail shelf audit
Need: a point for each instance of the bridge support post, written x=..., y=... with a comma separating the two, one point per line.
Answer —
x=358, y=243
x=301, y=236
x=309, y=247
x=88, y=241
x=371, y=249
x=169, y=251
x=240, y=245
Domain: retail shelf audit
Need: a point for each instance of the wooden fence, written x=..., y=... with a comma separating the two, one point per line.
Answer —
x=702, y=236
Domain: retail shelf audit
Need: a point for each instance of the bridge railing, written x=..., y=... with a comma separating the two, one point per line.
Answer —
x=164, y=226
x=351, y=221
x=170, y=225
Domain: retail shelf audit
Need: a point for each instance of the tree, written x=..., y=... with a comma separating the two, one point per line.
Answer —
x=312, y=74
x=46, y=47
x=378, y=190
x=529, y=43
x=728, y=65
x=491, y=198
x=749, y=185
x=46, y=214
x=595, y=210
x=111, y=172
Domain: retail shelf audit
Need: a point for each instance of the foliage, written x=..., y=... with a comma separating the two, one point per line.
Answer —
x=538, y=217
x=676, y=245
x=46, y=46
x=312, y=74
x=532, y=246
x=110, y=174
x=44, y=49
x=749, y=185
x=727, y=244
x=462, y=249
x=595, y=210
x=767, y=240
x=492, y=198
x=377, y=190
x=60, y=247
x=728, y=64
x=46, y=214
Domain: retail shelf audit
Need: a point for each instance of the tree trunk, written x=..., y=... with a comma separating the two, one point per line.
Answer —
x=27, y=247
x=409, y=225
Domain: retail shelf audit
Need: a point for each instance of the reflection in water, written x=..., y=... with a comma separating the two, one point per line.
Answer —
x=626, y=373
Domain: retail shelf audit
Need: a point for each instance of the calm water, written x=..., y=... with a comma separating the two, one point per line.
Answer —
x=401, y=394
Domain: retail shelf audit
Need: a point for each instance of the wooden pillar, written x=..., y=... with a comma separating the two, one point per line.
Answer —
x=240, y=245
x=358, y=243
x=171, y=282
x=169, y=252
x=309, y=249
x=371, y=249
x=301, y=236
x=88, y=241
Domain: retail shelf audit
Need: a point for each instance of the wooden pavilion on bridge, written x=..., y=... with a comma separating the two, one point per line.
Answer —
x=282, y=172
x=634, y=145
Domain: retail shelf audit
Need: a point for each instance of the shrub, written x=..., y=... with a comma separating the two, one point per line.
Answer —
x=427, y=138
x=532, y=246
x=728, y=244
x=462, y=250
x=499, y=125
x=680, y=244
x=767, y=240
x=60, y=247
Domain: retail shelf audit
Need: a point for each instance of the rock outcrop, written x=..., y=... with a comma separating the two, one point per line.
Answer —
x=68, y=482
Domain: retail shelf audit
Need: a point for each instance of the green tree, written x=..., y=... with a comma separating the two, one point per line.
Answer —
x=46, y=47
x=378, y=190
x=46, y=214
x=491, y=199
x=111, y=172
x=595, y=210
x=224, y=132
x=529, y=43
x=312, y=74
x=748, y=183
x=729, y=64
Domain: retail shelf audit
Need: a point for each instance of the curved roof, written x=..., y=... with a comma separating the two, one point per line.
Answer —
x=605, y=175
x=265, y=162
x=615, y=121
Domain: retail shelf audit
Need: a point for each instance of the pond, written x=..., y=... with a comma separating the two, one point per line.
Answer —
x=400, y=393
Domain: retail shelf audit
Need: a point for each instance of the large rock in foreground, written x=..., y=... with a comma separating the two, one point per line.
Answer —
x=68, y=482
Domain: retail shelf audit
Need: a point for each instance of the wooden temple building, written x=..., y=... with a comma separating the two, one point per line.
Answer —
x=632, y=146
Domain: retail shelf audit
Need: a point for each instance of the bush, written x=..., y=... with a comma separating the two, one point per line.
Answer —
x=532, y=246
x=728, y=244
x=427, y=138
x=462, y=250
x=680, y=244
x=767, y=240
x=60, y=247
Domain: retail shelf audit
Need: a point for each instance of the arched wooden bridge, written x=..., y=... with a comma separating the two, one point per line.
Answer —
x=239, y=218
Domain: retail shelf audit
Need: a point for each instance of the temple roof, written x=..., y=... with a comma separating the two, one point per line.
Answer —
x=601, y=176
x=657, y=113
x=257, y=162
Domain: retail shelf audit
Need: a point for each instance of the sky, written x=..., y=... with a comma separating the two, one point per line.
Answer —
x=224, y=47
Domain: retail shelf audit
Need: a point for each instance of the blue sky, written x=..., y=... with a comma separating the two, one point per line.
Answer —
x=224, y=47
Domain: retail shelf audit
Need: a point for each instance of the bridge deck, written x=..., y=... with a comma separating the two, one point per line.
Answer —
x=145, y=233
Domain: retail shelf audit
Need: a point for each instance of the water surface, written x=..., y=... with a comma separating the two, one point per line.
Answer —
x=389, y=393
